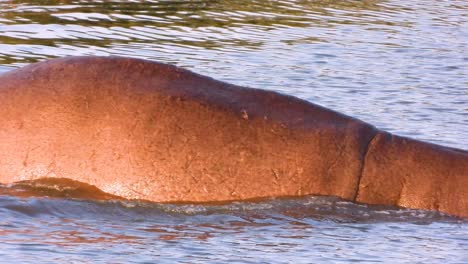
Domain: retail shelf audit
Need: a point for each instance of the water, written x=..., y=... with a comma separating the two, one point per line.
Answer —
x=306, y=230
x=400, y=65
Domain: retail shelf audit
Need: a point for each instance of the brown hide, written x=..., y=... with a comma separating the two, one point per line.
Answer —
x=145, y=130
x=409, y=173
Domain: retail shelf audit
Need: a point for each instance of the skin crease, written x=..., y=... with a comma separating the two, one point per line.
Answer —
x=144, y=130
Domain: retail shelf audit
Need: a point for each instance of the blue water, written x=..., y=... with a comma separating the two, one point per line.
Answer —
x=307, y=230
x=400, y=65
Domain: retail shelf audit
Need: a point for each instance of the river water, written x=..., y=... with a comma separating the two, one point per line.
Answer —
x=400, y=65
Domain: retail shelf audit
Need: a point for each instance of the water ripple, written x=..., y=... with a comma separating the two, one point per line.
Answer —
x=400, y=65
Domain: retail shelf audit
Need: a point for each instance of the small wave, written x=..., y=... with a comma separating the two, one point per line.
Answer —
x=69, y=198
x=56, y=188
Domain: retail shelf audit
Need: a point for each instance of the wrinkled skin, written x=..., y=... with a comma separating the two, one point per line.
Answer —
x=145, y=130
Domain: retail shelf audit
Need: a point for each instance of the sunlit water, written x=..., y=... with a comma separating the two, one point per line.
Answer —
x=400, y=65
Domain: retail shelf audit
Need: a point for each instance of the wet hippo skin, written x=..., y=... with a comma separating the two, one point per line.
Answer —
x=145, y=130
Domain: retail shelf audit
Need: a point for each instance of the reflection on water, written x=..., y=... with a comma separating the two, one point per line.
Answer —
x=232, y=26
x=308, y=230
x=400, y=65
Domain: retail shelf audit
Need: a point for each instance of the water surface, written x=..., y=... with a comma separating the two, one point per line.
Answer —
x=400, y=65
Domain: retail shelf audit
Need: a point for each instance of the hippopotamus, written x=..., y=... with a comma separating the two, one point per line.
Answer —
x=145, y=130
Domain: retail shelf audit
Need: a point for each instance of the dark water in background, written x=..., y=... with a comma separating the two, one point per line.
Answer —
x=400, y=65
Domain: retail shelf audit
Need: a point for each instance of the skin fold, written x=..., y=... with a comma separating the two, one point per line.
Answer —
x=145, y=130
